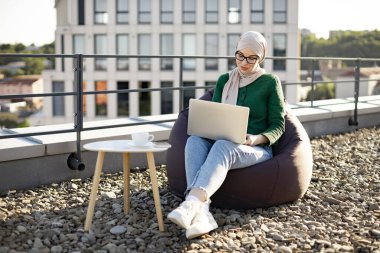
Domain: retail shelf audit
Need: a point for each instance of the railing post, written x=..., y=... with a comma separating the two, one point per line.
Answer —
x=353, y=121
x=312, y=94
x=181, y=90
x=74, y=161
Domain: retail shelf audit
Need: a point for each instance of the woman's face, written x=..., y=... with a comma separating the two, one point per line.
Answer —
x=244, y=66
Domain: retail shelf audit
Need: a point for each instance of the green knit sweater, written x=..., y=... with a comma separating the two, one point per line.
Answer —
x=265, y=99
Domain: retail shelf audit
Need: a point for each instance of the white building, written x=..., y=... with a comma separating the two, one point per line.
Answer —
x=369, y=83
x=161, y=27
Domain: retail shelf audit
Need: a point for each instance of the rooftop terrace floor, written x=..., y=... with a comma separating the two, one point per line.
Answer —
x=339, y=213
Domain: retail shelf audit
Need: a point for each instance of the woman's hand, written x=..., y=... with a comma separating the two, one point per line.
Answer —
x=253, y=140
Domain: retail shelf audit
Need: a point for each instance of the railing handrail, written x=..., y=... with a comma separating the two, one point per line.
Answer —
x=78, y=80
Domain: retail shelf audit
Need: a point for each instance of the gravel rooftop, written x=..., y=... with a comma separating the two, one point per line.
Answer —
x=339, y=213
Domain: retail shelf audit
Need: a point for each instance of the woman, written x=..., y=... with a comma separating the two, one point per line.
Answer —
x=207, y=162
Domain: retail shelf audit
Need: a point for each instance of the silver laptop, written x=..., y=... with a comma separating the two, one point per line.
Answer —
x=217, y=121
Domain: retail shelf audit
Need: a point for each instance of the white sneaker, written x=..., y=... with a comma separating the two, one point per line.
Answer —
x=184, y=214
x=202, y=223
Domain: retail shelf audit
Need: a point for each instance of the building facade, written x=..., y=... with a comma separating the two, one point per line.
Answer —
x=27, y=84
x=161, y=28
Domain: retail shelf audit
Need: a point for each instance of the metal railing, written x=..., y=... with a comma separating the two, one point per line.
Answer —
x=74, y=160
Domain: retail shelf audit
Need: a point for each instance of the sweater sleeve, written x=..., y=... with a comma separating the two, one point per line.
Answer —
x=276, y=113
x=217, y=97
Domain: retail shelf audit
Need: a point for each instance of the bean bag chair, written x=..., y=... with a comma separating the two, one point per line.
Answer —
x=282, y=179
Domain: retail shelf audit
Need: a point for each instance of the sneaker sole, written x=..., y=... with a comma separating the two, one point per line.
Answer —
x=193, y=232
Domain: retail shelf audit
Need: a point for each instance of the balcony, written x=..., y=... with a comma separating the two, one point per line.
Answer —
x=43, y=203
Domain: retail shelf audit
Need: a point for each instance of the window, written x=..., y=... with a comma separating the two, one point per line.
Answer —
x=78, y=46
x=166, y=48
x=211, y=48
x=122, y=49
x=123, y=99
x=188, y=48
x=211, y=9
x=100, y=99
x=232, y=40
x=122, y=11
x=100, y=15
x=100, y=48
x=234, y=11
x=81, y=13
x=167, y=9
x=279, y=49
x=188, y=93
x=188, y=16
x=257, y=11
x=144, y=49
x=166, y=98
x=144, y=99
x=279, y=11
x=58, y=101
x=144, y=13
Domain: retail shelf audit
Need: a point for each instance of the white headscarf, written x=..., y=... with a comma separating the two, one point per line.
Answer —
x=256, y=42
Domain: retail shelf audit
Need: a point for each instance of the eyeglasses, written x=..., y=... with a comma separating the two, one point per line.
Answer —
x=250, y=59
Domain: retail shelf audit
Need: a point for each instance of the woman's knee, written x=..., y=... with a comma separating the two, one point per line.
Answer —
x=224, y=145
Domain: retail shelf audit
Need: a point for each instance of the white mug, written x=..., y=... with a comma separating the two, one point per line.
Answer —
x=142, y=138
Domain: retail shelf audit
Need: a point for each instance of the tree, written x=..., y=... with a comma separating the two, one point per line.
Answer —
x=352, y=44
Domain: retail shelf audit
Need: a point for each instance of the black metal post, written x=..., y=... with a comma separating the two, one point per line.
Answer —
x=74, y=161
x=353, y=121
x=181, y=91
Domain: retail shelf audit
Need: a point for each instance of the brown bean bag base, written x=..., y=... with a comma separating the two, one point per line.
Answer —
x=284, y=178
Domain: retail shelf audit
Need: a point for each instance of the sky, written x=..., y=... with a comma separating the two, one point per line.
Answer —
x=34, y=21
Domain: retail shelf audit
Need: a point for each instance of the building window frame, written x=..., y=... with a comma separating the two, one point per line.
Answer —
x=189, y=48
x=279, y=49
x=144, y=11
x=58, y=103
x=100, y=47
x=189, y=15
x=81, y=12
x=232, y=40
x=280, y=12
x=234, y=12
x=166, y=11
x=167, y=97
x=100, y=12
x=211, y=48
x=122, y=11
x=212, y=12
x=101, y=99
x=144, y=64
x=122, y=43
x=166, y=48
x=257, y=11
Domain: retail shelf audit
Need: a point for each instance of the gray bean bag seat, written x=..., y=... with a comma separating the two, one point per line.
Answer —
x=284, y=178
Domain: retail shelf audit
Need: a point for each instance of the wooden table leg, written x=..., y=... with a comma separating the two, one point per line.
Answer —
x=156, y=195
x=94, y=191
x=126, y=182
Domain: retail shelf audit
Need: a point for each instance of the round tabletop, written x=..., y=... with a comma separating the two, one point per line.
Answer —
x=123, y=146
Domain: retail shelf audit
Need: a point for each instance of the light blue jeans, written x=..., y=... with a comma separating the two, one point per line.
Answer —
x=207, y=162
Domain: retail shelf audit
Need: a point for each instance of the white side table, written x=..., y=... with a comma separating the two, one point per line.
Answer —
x=125, y=147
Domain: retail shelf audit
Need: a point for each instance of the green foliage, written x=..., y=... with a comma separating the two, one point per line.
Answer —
x=322, y=91
x=32, y=65
x=10, y=120
x=347, y=44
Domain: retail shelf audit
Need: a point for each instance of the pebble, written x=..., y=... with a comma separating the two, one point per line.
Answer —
x=340, y=212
